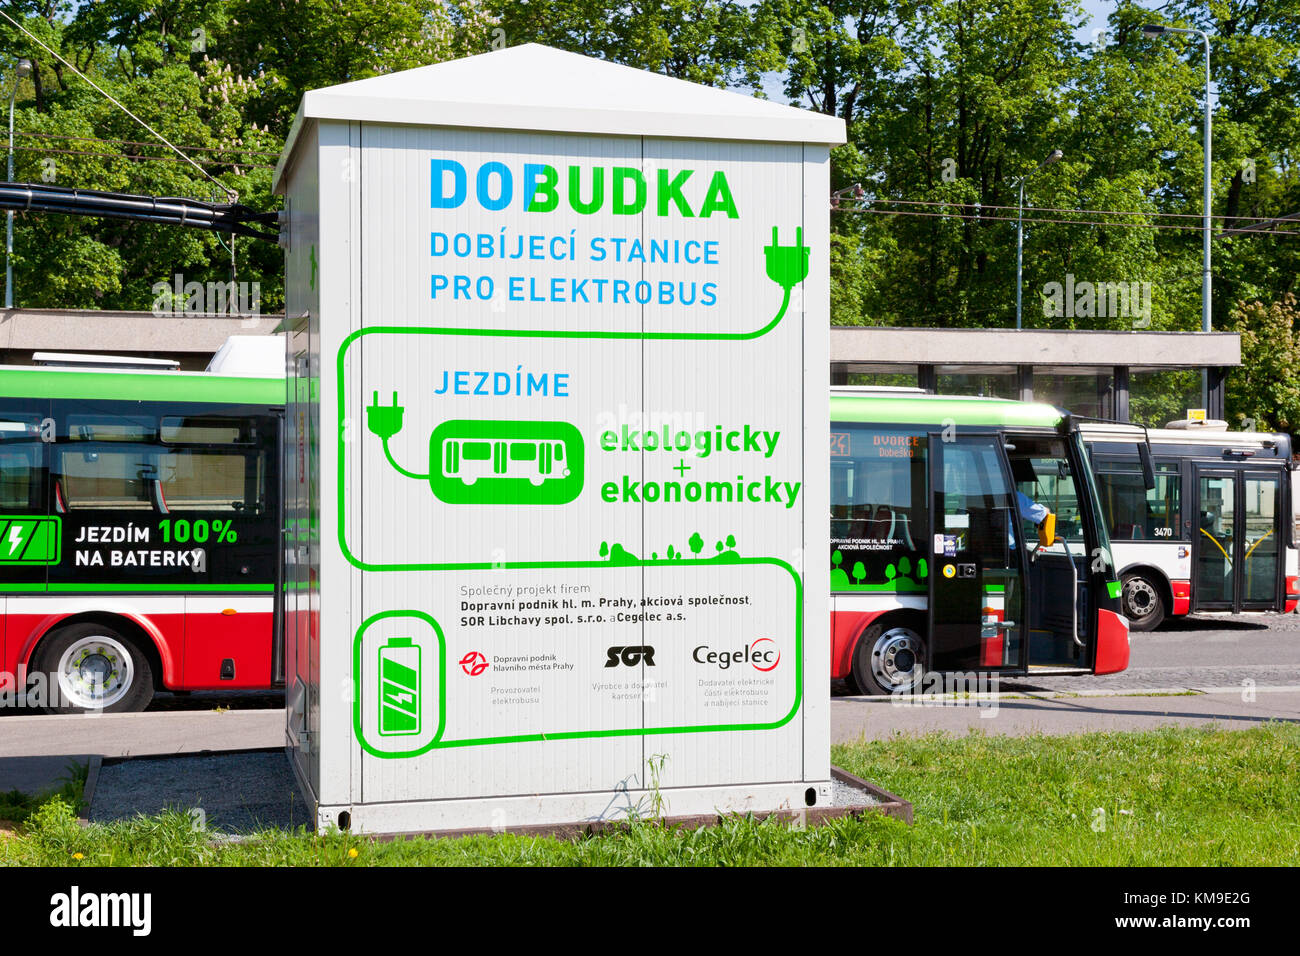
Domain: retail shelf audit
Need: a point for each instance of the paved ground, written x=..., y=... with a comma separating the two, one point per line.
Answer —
x=855, y=718
x=1231, y=656
x=1193, y=653
x=35, y=750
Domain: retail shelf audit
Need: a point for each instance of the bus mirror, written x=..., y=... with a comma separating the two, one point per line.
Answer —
x=1148, y=469
x=1047, y=531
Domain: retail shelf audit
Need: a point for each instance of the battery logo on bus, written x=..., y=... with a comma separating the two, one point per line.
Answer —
x=28, y=540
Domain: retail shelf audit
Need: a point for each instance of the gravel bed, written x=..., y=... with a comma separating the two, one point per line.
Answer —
x=235, y=792
x=843, y=795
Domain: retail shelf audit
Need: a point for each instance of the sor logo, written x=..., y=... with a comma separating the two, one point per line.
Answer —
x=473, y=663
x=762, y=655
x=630, y=656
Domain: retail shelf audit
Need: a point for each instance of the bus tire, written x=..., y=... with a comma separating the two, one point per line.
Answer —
x=888, y=659
x=1142, y=602
x=90, y=667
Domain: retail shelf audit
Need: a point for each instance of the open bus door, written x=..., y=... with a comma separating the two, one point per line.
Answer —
x=976, y=579
x=1002, y=597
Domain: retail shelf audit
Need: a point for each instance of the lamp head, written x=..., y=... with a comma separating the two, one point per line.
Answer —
x=1152, y=30
x=24, y=67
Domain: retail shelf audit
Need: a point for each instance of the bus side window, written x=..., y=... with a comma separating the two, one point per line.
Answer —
x=879, y=513
x=104, y=478
x=1132, y=512
x=212, y=479
x=22, y=456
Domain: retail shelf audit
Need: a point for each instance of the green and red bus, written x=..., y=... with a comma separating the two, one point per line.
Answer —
x=140, y=523
x=966, y=537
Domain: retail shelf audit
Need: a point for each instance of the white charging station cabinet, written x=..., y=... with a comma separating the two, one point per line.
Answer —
x=556, y=469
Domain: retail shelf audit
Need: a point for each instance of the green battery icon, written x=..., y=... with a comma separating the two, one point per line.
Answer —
x=399, y=687
x=30, y=540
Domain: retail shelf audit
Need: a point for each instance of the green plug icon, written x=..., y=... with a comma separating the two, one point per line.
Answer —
x=787, y=266
x=384, y=420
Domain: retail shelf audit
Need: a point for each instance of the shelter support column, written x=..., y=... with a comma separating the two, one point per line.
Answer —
x=1025, y=382
x=1215, y=379
x=1121, y=392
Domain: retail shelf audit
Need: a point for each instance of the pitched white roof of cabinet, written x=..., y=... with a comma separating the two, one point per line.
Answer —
x=534, y=87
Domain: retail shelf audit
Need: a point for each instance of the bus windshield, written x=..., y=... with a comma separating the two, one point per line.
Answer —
x=1045, y=473
x=1089, y=481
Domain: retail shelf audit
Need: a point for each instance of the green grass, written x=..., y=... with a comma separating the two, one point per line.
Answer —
x=17, y=807
x=1170, y=797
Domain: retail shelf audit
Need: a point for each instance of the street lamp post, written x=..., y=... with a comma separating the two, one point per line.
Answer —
x=1155, y=30
x=1020, y=228
x=22, y=69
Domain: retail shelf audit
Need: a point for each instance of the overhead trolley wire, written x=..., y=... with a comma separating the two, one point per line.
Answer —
x=159, y=136
x=1037, y=220
x=130, y=156
x=134, y=142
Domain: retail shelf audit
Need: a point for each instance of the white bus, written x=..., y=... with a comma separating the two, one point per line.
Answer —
x=1216, y=533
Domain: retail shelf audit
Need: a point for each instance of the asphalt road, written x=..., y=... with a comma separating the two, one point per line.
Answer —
x=1235, y=670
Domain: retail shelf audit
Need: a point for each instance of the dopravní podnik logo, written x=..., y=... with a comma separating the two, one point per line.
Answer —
x=496, y=187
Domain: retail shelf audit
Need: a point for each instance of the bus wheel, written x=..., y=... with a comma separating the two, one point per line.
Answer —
x=888, y=660
x=91, y=667
x=1143, y=605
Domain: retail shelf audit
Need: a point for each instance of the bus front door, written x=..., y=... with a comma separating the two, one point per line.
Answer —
x=976, y=592
x=1236, y=551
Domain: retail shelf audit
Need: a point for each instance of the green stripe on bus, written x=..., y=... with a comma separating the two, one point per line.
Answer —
x=934, y=412
x=135, y=386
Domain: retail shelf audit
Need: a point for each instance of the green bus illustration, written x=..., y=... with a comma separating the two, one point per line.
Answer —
x=506, y=462
x=470, y=459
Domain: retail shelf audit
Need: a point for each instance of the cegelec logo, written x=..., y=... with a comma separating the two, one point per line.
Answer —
x=762, y=655
x=474, y=663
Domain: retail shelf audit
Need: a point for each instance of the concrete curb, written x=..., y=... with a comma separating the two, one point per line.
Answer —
x=1056, y=694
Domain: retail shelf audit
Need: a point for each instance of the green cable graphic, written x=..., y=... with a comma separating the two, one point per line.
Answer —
x=538, y=462
x=785, y=265
x=386, y=421
x=399, y=469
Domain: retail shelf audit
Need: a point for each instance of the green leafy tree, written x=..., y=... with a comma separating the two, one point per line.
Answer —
x=1265, y=388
